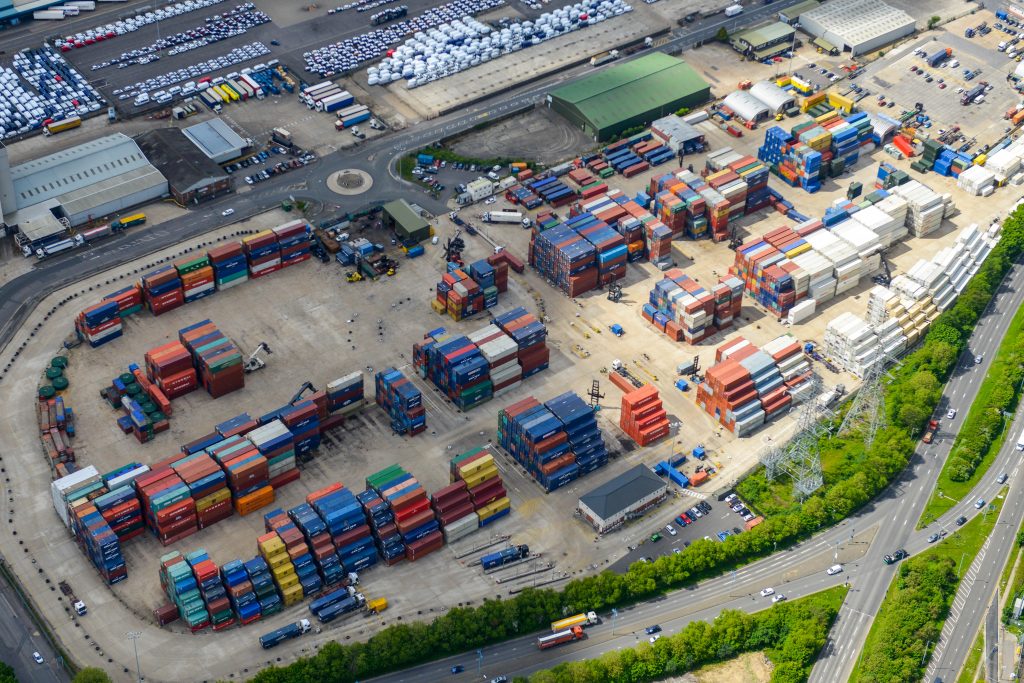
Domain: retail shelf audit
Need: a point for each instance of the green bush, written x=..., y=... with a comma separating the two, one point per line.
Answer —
x=853, y=477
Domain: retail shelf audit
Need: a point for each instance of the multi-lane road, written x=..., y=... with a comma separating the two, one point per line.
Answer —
x=19, y=639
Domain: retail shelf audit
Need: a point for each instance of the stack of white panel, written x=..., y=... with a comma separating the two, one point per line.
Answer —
x=933, y=277
x=957, y=263
x=977, y=180
x=891, y=338
x=888, y=227
x=862, y=238
x=925, y=208
x=721, y=158
x=1003, y=164
x=802, y=311
x=883, y=304
x=849, y=267
x=822, y=283
x=851, y=343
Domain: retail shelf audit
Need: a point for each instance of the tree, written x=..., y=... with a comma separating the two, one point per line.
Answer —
x=932, y=21
x=722, y=35
x=7, y=674
x=91, y=674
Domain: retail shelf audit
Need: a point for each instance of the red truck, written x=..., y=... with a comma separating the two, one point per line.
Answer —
x=566, y=636
x=933, y=426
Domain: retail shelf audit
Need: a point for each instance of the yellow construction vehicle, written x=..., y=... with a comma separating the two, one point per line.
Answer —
x=591, y=325
x=354, y=276
x=580, y=351
x=377, y=605
x=643, y=368
x=573, y=325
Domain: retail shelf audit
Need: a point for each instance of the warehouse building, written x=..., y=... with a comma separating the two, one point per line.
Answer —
x=775, y=98
x=678, y=135
x=216, y=140
x=765, y=42
x=626, y=497
x=407, y=223
x=857, y=26
x=193, y=177
x=791, y=15
x=630, y=95
x=81, y=183
x=745, y=106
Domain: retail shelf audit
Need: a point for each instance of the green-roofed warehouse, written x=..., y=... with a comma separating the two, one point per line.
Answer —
x=403, y=219
x=630, y=95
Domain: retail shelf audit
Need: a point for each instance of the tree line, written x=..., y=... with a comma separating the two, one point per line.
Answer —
x=852, y=477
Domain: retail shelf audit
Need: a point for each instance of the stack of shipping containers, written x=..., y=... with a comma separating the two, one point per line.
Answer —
x=99, y=323
x=414, y=531
x=196, y=277
x=263, y=253
x=216, y=358
x=229, y=265
x=295, y=529
x=642, y=416
x=556, y=442
x=749, y=386
x=402, y=401
x=179, y=583
x=462, y=293
x=275, y=552
x=56, y=429
x=685, y=311
x=162, y=290
x=475, y=473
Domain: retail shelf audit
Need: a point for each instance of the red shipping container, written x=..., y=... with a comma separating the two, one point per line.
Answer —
x=351, y=536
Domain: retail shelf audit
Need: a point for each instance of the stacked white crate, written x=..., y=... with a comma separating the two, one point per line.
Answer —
x=821, y=282
x=886, y=227
x=851, y=343
x=977, y=180
x=791, y=367
x=801, y=311
x=848, y=266
x=1004, y=163
x=721, y=158
x=934, y=278
x=925, y=208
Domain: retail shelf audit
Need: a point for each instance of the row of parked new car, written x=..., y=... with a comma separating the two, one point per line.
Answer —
x=129, y=25
x=234, y=22
x=143, y=91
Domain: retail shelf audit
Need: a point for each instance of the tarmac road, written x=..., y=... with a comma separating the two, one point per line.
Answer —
x=19, y=638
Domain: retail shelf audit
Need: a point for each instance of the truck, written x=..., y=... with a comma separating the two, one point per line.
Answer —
x=377, y=605
x=344, y=606
x=62, y=125
x=269, y=640
x=973, y=94
x=1020, y=442
x=582, y=619
x=503, y=217
x=939, y=56
x=281, y=137
x=733, y=10
x=331, y=598
x=566, y=636
x=79, y=606
x=502, y=557
x=933, y=426
x=128, y=221
x=57, y=247
x=48, y=15
x=604, y=58
x=87, y=5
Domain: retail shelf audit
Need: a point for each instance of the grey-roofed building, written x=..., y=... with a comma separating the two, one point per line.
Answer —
x=775, y=98
x=625, y=497
x=84, y=182
x=192, y=176
x=745, y=106
x=857, y=26
x=765, y=41
x=678, y=134
x=216, y=140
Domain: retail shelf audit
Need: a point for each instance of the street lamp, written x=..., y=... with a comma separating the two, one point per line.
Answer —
x=134, y=637
x=479, y=660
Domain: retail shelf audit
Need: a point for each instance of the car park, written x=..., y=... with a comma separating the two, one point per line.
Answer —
x=671, y=530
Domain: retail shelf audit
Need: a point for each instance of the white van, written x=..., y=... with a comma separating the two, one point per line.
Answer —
x=1020, y=442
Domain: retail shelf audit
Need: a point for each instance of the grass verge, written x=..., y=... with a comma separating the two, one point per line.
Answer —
x=917, y=603
x=984, y=419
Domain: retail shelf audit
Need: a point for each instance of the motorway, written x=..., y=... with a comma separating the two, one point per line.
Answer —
x=891, y=518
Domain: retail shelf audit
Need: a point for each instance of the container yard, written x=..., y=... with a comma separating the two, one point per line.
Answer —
x=694, y=297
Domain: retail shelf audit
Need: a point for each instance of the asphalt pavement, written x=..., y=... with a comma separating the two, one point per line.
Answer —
x=19, y=638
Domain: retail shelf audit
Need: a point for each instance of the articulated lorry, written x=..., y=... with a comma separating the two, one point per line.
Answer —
x=566, y=636
x=269, y=640
x=581, y=620
x=503, y=217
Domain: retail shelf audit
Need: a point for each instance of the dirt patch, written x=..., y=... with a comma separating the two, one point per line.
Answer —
x=753, y=667
x=538, y=135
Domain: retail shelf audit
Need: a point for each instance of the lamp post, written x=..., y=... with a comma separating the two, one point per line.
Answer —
x=134, y=637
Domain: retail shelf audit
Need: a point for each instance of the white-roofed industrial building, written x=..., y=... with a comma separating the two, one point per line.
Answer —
x=775, y=98
x=217, y=140
x=857, y=26
x=81, y=183
x=766, y=41
x=746, y=106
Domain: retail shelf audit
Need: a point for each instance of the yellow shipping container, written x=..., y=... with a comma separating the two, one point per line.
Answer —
x=480, y=477
x=288, y=580
x=796, y=251
x=212, y=499
x=495, y=507
x=271, y=546
x=278, y=560
x=438, y=307
x=477, y=465
x=840, y=102
x=258, y=235
x=282, y=569
x=291, y=595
